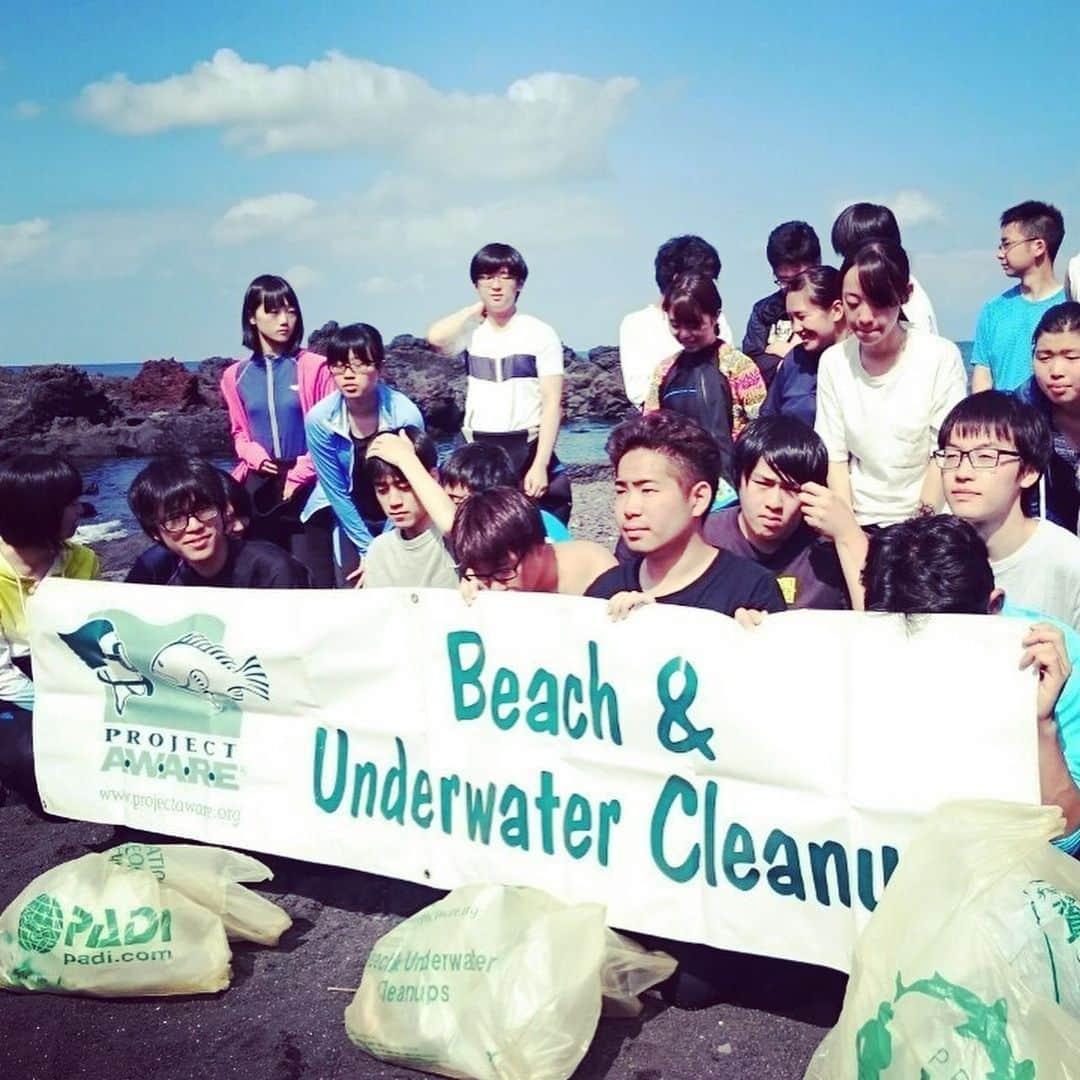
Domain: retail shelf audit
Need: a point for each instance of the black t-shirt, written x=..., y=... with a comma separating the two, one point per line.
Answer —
x=155, y=566
x=730, y=582
x=252, y=564
x=696, y=387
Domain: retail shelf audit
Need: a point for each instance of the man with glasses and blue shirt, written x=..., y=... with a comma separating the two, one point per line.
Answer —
x=1031, y=234
x=992, y=448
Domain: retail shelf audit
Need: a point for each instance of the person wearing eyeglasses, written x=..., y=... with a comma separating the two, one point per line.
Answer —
x=992, y=449
x=181, y=503
x=339, y=430
x=1031, y=234
x=792, y=248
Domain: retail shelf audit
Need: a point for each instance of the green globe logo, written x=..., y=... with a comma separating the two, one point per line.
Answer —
x=40, y=924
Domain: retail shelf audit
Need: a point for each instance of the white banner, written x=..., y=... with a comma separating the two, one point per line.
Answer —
x=749, y=789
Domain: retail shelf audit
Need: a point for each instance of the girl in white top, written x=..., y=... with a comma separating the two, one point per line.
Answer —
x=883, y=393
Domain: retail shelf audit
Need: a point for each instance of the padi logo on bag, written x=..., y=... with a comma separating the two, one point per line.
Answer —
x=173, y=696
x=950, y=1029
x=94, y=938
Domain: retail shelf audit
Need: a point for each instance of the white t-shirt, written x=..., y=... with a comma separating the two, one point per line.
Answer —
x=1043, y=574
x=919, y=311
x=885, y=426
x=645, y=339
x=505, y=365
x=1072, y=278
x=421, y=561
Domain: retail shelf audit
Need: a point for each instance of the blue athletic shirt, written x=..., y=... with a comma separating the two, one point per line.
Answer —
x=1003, y=336
x=269, y=390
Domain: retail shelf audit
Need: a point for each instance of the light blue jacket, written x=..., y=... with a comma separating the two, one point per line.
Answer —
x=331, y=449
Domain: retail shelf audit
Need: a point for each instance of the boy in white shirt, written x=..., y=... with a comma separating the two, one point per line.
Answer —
x=993, y=448
x=515, y=375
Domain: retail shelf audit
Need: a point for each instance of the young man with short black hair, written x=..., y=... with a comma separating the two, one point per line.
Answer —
x=182, y=504
x=780, y=463
x=666, y=471
x=515, y=375
x=1031, y=234
x=792, y=248
x=939, y=564
x=645, y=338
x=992, y=449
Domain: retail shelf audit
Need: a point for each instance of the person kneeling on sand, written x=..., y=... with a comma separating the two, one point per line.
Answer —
x=666, y=470
x=499, y=542
x=181, y=503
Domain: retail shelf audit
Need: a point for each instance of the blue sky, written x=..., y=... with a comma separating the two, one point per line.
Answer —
x=155, y=161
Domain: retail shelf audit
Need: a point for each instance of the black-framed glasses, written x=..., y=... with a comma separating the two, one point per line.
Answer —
x=985, y=458
x=356, y=366
x=1004, y=248
x=504, y=575
x=178, y=523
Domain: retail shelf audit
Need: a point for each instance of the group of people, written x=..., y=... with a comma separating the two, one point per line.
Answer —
x=808, y=468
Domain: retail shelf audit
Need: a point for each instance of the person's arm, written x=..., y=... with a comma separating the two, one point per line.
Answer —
x=830, y=514
x=396, y=449
x=932, y=492
x=536, y=479
x=247, y=450
x=314, y=383
x=445, y=332
x=981, y=379
x=1046, y=653
x=839, y=481
x=748, y=392
x=981, y=376
x=829, y=424
x=334, y=484
x=14, y=685
x=949, y=388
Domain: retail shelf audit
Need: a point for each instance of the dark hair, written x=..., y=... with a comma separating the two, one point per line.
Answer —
x=478, y=466
x=237, y=496
x=792, y=243
x=170, y=486
x=690, y=298
x=685, y=255
x=823, y=283
x=884, y=273
x=1002, y=416
x=362, y=340
x=928, y=565
x=35, y=490
x=694, y=452
x=491, y=527
x=492, y=258
x=380, y=471
x=1060, y=319
x=1038, y=221
x=860, y=223
x=271, y=293
x=791, y=448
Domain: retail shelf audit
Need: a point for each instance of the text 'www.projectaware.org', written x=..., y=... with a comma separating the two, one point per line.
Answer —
x=169, y=805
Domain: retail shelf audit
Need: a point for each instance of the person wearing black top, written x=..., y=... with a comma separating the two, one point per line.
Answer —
x=181, y=503
x=666, y=468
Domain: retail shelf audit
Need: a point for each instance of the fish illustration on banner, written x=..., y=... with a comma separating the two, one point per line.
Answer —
x=197, y=665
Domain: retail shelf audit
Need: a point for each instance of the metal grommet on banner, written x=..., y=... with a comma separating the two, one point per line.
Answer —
x=415, y=598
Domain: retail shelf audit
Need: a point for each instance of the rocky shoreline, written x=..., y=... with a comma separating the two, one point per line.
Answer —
x=168, y=408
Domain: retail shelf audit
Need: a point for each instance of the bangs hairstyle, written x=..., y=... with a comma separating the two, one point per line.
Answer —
x=860, y=223
x=171, y=486
x=35, y=490
x=491, y=259
x=928, y=566
x=1060, y=319
x=884, y=273
x=792, y=243
x=380, y=472
x=361, y=339
x=494, y=528
x=792, y=450
x=823, y=284
x=1038, y=221
x=695, y=454
x=1003, y=417
x=272, y=293
x=685, y=255
x=691, y=298
x=478, y=466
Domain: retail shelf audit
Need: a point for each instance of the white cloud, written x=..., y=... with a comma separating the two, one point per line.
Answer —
x=22, y=240
x=302, y=277
x=547, y=124
x=913, y=207
x=263, y=214
x=29, y=110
